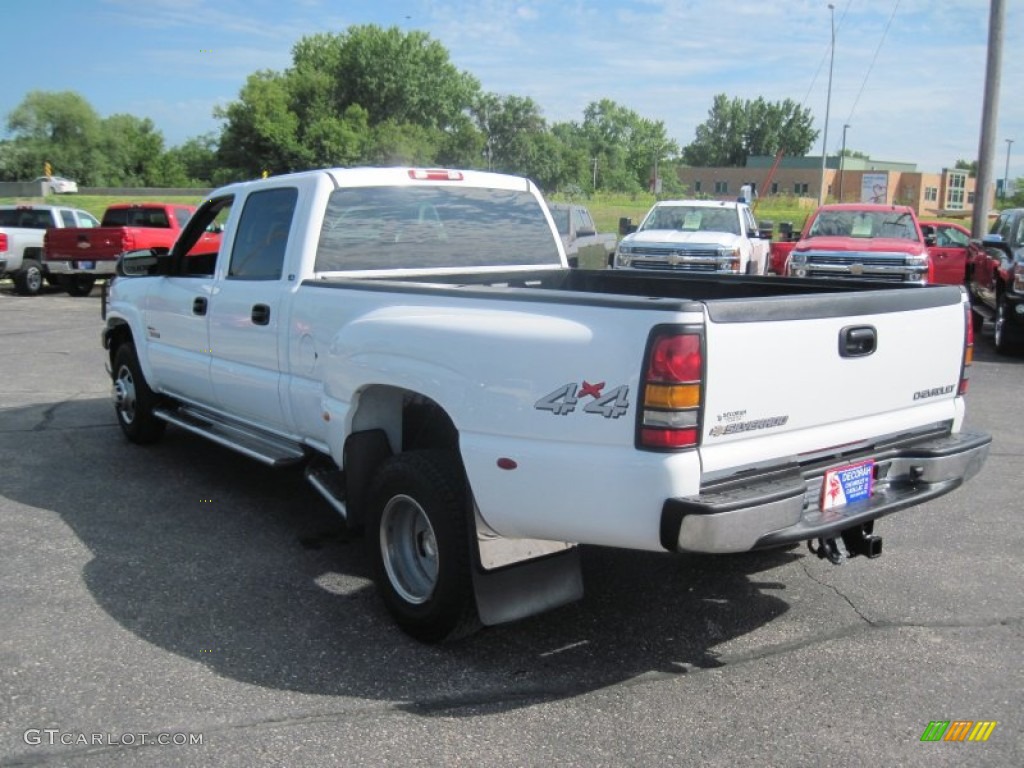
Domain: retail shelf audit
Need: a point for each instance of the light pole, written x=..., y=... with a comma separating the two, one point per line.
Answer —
x=828, y=105
x=1006, y=173
x=842, y=158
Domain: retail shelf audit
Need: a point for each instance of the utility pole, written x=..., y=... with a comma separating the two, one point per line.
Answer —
x=1006, y=173
x=989, y=114
x=828, y=106
x=842, y=158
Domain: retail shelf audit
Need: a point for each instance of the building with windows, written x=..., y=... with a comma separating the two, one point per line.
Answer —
x=948, y=193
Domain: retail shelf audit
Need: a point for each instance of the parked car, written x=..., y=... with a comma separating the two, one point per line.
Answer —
x=22, y=231
x=947, y=244
x=696, y=236
x=58, y=185
x=995, y=279
x=872, y=242
x=584, y=246
x=80, y=257
x=416, y=339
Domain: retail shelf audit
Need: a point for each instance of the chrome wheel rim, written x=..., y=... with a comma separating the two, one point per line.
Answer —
x=34, y=280
x=409, y=549
x=124, y=394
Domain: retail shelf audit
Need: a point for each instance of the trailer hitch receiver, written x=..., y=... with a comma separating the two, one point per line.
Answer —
x=858, y=540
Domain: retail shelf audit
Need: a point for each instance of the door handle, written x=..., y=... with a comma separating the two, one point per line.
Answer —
x=199, y=305
x=857, y=341
x=261, y=314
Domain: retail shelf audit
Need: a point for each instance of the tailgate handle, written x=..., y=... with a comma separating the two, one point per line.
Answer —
x=857, y=341
x=199, y=305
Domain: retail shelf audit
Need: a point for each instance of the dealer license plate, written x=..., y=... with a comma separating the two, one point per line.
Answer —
x=844, y=485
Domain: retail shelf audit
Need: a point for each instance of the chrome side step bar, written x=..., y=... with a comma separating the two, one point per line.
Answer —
x=267, y=448
x=330, y=483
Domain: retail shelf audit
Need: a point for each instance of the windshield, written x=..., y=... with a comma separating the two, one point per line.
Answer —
x=692, y=218
x=864, y=224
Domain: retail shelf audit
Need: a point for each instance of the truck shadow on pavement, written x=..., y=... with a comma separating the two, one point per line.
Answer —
x=212, y=557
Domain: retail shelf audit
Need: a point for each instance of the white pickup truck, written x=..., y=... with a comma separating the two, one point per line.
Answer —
x=22, y=229
x=696, y=236
x=417, y=341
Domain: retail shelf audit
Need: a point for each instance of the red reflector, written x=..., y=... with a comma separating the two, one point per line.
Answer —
x=668, y=438
x=506, y=463
x=434, y=175
x=675, y=359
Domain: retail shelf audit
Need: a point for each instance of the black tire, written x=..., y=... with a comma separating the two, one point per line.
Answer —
x=978, y=321
x=79, y=285
x=28, y=281
x=418, y=538
x=1004, y=333
x=134, y=401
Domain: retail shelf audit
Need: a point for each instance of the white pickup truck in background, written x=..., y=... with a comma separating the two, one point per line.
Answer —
x=696, y=236
x=22, y=229
x=415, y=339
x=584, y=246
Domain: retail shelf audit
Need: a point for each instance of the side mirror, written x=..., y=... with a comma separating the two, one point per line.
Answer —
x=992, y=239
x=144, y=263
x=930, y=241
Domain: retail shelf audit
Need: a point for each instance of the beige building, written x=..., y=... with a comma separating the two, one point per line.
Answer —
x=949, y=193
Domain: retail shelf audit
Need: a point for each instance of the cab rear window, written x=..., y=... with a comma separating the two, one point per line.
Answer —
x=377, y=228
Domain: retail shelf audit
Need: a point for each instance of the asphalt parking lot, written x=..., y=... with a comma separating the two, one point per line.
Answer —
x=152, y=598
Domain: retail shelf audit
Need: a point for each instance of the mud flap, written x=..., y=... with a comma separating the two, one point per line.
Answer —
x=516, y=578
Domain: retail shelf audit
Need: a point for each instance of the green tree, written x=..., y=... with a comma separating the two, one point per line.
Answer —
x=365, y=95
x=129, y=152
x=971, y=166
x=59, y=128
x=737, y=128
x=193, y=163
x=624, y=146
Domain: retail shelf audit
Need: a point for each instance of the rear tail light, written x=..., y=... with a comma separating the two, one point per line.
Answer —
x=968, y=358
x=3, y=242
x=669, y=413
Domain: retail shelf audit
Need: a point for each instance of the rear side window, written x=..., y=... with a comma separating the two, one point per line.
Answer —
x=369, y=228
x=262, y=236
x=26, y=218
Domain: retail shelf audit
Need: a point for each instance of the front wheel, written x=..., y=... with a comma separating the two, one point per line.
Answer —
x=1003, y=335
x=134, y=401
x=418, y=535
x=79, y=285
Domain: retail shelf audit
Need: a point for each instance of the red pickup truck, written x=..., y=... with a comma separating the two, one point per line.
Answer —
x=869, y=241
x=79, y=257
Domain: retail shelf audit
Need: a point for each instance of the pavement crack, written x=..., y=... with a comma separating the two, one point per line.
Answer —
x=839, y=592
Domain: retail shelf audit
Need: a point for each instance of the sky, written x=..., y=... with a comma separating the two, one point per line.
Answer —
x=908, y=76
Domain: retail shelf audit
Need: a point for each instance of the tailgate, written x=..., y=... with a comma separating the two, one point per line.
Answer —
x=788, y=377
x=98, y=243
